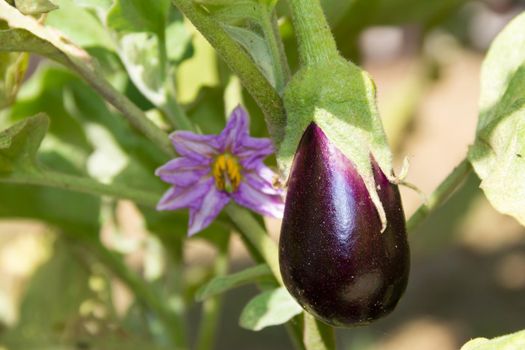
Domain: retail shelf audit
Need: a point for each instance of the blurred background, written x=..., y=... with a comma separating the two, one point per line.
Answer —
x=468, y=261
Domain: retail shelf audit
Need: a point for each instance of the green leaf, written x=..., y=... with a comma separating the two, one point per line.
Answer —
x=244, y=21
x=221, y=284
x=178, y=40
x=12, y=70
x=140, y=55
x=99, y=5
x=270, y=308
x=58, y=308
x=19, y=144
x=515, y=341
x=139, y=16
x=50, y=306
x=34, y=7
x=75, y=212
x=234, y=12
x=147, y=55
x=498, y=154
x=79, y=25
x=256, y=46
x=28, y=35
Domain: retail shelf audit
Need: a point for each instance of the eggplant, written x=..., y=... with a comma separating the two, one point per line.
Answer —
x=334, y=257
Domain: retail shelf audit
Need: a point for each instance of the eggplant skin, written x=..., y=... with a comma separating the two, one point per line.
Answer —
x=334, y=259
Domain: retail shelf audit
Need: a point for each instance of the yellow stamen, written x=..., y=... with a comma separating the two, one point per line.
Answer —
x=227, y=172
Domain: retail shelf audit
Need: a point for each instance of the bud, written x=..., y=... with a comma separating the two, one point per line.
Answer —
x=335, y=257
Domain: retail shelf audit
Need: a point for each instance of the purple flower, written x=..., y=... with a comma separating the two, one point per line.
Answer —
x=213, y=169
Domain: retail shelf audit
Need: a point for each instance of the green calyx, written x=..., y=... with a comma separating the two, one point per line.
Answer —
x=340, y=98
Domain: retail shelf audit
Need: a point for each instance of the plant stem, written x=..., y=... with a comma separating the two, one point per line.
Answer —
x=135, y=115
x=258, y=237
x=83, y=184
x=241, y=64
x=294, y=328
x=273, y=39
x=144, y=293
x=175, y=114
x=211, y=308
x=315, y=40
x=441, y=194
x=163, y=52
x=175, y=247
x=317, y=335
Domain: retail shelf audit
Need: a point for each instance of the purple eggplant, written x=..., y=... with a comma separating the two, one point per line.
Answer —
x=334, y=258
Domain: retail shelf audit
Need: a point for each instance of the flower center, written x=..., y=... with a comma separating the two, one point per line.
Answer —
x=227, y=173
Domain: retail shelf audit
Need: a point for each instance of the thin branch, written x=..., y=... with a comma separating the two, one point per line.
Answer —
x=241, y=64
x=441, y=194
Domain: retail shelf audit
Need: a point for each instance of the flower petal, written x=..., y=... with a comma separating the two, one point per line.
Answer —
x=180, y=197
x=203, y=215
x=183, y=171
x=266, y=173
x=264, y=204
x=235, y=131
x=262, y=184
x=195, y=146
x=253, y=151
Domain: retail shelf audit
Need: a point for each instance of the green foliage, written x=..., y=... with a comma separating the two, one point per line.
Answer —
x=12, y=70
x=498, y=154
x=256, y=46
x=64, y=296
x=139, y=53
x=221, y=284
x=98, y=5
x=28, y=35
x=139, y=16
x=148, y=41
x=270, y=308
x=138, y=46
x=72, y=21
x=57, y=291
x=245, y=21
x=19, y=144
x=515, y=341
x=34, y=7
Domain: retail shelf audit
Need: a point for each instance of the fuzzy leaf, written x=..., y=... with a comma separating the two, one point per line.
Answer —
x=515, y=341
x=234, y=12
x=51, y=302
x=178, y=40
x=221, y=284
x=19, y=143
x=256, y=46
x=12, y=70
x=28, y=35
x=72, y=20
x=240, y=19
x=498, y=154
x=270, y=308
x=139, y=53
x=34, y=7
x=98, y=5
x=139, y=15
